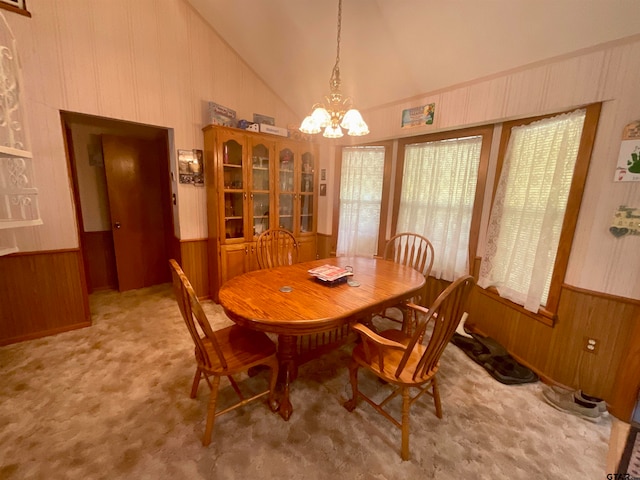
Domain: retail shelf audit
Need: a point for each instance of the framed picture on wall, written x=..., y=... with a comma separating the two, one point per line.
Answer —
x=323, y=189
x=190, y=167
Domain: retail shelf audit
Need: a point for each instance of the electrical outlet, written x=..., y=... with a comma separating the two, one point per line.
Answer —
x=591, y=345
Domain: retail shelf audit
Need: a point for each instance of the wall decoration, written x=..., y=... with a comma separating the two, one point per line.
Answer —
x=323, y=174
x=190, y=167
x=221, y=115
x=418, y=116
x=257, y=118
x=323, y=189
x=628, y=169
x=626, y=221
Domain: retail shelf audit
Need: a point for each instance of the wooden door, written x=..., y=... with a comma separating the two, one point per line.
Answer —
x=134, y=185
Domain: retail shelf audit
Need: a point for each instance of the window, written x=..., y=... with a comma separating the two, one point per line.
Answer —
x=442, y=184
x=535, y=206
x=361, y=187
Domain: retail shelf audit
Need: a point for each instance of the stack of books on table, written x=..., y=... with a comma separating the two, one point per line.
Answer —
x=330, y=274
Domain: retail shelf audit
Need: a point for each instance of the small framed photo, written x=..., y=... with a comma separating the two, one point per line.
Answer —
x=190, y=167
x=323, y=174
x=323, y=189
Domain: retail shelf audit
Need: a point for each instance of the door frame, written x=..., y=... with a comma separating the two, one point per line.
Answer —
x=117, y=127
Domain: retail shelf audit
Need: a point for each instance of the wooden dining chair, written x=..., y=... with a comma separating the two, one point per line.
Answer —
x=276, y=247
x=415, y=251
x=225, y=352
x=410, y=362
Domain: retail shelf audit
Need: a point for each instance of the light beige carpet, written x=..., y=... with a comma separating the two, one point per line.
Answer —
x=112, y=402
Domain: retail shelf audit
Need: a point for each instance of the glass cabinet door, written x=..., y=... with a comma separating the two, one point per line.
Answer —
x=286, y=175
x=234, y=189
x=260, y=187
x=307, y=185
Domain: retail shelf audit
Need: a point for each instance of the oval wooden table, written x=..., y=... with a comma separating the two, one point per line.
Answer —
x=258, y=300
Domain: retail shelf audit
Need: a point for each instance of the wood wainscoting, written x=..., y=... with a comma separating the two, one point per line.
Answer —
x=42, y=293
x=100, y=260
x=325, y=248
x=558, y=354
x=194, y=260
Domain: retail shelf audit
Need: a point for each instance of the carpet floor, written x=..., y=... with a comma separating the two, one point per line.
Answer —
x=111, y=401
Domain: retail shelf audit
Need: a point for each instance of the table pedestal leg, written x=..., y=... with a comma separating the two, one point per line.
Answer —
x=287, y=352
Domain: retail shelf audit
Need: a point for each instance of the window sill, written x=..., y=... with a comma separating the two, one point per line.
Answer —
x=544, y=316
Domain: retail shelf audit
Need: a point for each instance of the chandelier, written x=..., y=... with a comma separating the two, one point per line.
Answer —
x=336, y=112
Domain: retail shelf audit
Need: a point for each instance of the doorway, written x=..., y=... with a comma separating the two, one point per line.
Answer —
x=122, y=193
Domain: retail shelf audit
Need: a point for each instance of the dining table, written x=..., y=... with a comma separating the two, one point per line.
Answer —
x=290, y=302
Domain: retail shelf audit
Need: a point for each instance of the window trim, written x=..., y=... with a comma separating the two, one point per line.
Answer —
x=548, y=314
x=486, y=132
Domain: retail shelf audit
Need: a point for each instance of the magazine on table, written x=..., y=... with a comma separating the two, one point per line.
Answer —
x=329, y=273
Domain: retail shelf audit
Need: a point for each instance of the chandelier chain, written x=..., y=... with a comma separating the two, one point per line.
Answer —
x=339, y=29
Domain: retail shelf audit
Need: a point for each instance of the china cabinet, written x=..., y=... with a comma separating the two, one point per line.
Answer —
x=256, y=181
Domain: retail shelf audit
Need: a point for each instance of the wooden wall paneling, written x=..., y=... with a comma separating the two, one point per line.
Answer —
x=492, y=318
x=194, y=262
x=604, y=319
x=325, y=246
x=557, y=353
x=100, y=260
x=626, y=386
x=41, y=294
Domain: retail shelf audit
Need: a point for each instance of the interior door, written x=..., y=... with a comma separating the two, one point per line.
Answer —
x=134, y=187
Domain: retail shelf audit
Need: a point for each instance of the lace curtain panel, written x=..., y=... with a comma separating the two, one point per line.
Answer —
x=18, y=195
x=360, y=199
x=528, y=209
x=438, y=192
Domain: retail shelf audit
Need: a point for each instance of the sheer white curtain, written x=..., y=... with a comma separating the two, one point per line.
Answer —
x=438, y=192
x=360, y=199
x=528, y=209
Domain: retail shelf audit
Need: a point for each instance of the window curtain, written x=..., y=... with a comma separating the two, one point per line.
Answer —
x=360, y=199
x=528, y=209
x=438, y=192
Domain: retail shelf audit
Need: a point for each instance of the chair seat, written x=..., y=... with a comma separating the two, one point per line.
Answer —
x=242, y=348
x=391, y=359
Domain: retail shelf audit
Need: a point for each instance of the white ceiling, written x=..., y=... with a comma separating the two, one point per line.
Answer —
x=397, y=49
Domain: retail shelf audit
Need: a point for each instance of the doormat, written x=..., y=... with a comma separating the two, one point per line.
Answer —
x=495, y=359
x=630, y=462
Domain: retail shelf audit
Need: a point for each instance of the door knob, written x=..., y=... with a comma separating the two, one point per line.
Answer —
x=117, y=225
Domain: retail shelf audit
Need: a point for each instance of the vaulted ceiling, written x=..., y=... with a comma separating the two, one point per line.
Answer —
x=392, y=50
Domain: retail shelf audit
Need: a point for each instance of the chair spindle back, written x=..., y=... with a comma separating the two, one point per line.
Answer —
x=191, y=309
x=412, y=250
x=276, y=247
x=445, y=314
